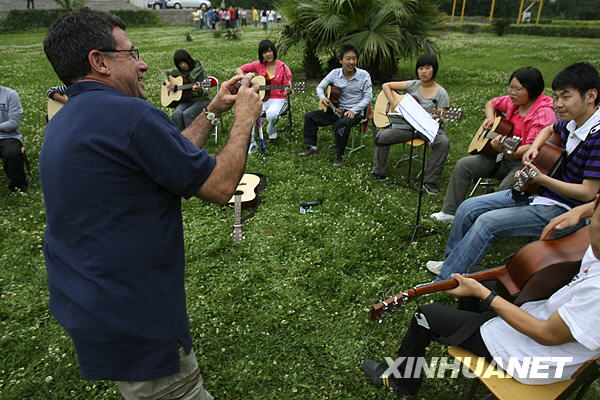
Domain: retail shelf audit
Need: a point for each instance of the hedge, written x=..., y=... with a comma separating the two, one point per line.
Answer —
x=530, y=29
x=23, y=20
x=133, y=18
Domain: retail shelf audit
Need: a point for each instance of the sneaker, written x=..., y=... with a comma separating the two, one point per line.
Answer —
x=273, y=135
x=430, y=189
x=20, y=189
x=374, y=371
x=308, y=152
x=252, y=148
x=338, y=161
x=375, y=176
x=435, y=267
x=443, y=217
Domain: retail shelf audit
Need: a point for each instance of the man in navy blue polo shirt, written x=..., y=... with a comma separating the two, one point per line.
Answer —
x=113, y=170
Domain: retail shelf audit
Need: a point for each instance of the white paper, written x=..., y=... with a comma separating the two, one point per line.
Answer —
x=418, y=118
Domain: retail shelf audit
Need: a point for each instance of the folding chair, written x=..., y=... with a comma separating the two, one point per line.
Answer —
x=487, y=184
x=358, y=132
x=509, y=389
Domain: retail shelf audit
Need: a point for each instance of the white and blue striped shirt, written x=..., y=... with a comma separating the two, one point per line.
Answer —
x=356, y=93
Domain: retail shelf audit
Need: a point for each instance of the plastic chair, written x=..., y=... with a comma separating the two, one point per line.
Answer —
x=509, y=389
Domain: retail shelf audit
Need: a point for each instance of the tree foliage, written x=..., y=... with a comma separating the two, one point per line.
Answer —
x=382, y=30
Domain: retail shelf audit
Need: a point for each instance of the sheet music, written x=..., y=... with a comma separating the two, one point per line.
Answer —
x=420, y=119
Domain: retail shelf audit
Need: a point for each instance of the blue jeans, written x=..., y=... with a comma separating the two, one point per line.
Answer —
x=480, y=220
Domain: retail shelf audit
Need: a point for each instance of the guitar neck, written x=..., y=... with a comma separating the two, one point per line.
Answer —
x=273, y=87
x=396, y=302
x=238, y=235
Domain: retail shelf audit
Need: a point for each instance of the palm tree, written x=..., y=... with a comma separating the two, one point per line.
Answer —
x=382, y=30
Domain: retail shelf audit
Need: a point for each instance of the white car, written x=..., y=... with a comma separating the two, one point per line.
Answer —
x=188, y=4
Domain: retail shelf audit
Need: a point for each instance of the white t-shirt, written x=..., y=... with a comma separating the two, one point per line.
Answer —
x=578, y=304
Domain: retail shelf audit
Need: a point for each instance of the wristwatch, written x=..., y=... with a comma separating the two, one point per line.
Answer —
x=211, y=116
x=486, y=304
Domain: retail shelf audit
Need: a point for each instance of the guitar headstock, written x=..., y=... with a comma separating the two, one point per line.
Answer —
x=511, y=144
x=453, y=114
x=387, y=307
x=209, y=82
x=298, y=86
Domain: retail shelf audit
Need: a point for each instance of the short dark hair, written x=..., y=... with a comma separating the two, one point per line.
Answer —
x=182, y=55
x=73, y=36
x=265, y=45
x=579, y=76
x=427, y=59
x=346, y=49
x=531, y=78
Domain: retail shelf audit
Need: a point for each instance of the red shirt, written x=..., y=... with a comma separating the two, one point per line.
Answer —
x=283, y=76
x=540, y=115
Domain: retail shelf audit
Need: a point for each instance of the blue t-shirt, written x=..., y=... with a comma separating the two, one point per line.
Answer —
x=113, y=171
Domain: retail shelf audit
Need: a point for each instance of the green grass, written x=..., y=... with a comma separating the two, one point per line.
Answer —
x=282, y=315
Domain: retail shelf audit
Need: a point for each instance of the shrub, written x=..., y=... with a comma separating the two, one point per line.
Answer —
x=499, y=25
x=233, y=34
x=589, y=31
x=22, y=20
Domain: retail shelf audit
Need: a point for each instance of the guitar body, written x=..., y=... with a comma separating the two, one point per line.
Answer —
x=480, y=144
x=52, y=108
x=548, y=160
x=535, y=272
x=170, y=98
x=382, y=109
x=333, y=94
x=260, y=81
x=541, y=268
x=264, y=89
x=248, y=187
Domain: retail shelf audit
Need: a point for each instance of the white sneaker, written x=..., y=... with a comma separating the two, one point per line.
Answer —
x=435, y=267
x=442, y=217
x=273, y=135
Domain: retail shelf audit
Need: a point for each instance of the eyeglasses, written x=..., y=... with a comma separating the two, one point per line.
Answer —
x=135, y=53
x=512, y=89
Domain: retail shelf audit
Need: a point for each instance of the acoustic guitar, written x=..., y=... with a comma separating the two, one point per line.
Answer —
x=182, y=90
x=52, y=108
x=248, y=188
x=549, y=158
x=501, y=128
x=333, y=94
x=264, y=89
x=535, y=272
x=382, y=109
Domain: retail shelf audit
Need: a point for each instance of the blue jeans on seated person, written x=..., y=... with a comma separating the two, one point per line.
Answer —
x=480, y=220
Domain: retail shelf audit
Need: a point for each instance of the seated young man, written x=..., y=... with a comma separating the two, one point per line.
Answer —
x=355, y=95
x=481, y=220
x=562, y=326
